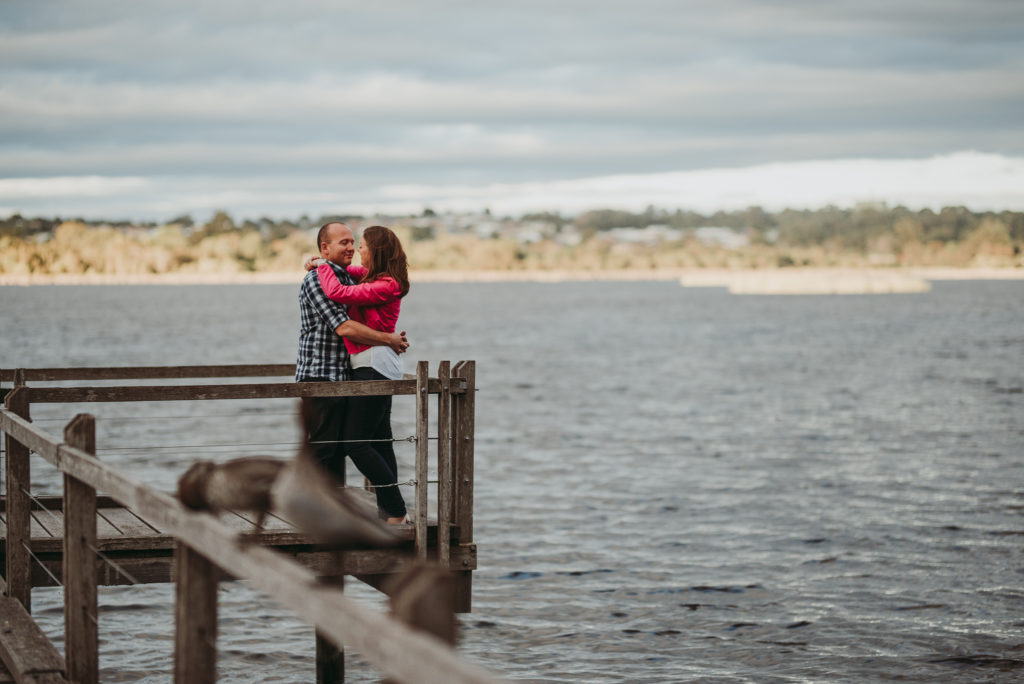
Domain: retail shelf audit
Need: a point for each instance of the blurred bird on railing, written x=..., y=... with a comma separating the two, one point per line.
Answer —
x=242, y=484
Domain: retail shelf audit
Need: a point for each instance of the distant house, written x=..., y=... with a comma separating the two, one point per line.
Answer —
x=651, y=235
x=718, y=236
x=487, y=228
x=568, y=237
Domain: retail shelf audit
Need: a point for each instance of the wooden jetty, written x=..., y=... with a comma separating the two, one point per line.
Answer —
x=131, y=533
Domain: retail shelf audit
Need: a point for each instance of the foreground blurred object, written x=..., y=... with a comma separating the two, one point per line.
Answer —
x=311, y=499
x=242, y=484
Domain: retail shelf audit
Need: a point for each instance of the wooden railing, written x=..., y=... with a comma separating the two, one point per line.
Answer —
x=207, y=548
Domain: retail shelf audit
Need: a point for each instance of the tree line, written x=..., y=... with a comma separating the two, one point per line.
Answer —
x=831, y=236
x=851, y=228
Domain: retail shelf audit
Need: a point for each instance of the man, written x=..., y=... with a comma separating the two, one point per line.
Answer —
x=322, y=354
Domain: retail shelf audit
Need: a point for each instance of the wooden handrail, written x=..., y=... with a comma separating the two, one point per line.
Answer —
x=151, y=372
x=278, y=390
x=394, y=648
x=281, y=390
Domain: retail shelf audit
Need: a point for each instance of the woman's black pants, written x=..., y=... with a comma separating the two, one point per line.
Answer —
x=368, y=442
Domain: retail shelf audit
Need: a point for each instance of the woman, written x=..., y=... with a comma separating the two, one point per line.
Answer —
x=382, y=281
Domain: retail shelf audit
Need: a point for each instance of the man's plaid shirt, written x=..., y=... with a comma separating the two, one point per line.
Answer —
x=322, y=353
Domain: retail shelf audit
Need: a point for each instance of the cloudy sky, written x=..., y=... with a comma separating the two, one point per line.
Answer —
x=150, y=110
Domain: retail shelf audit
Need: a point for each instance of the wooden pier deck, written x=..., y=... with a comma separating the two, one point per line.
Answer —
x=144, y=554
x=107, y=529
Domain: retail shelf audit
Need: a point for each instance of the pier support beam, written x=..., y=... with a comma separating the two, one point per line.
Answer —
x=444, y=465
x=463, y=419
x=422, y=445
x=330, y=657
x=195, y=617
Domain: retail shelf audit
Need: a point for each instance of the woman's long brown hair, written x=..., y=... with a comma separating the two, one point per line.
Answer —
x=386, y=257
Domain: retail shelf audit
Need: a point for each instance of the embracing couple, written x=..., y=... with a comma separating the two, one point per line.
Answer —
x=349, y=315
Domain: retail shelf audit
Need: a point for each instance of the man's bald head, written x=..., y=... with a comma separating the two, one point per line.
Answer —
x=321, y=236
x=336, y=243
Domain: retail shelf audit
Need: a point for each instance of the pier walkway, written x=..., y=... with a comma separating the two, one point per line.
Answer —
x=107, y=529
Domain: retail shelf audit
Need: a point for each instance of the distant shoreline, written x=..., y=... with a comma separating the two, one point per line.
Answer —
x=694, y=277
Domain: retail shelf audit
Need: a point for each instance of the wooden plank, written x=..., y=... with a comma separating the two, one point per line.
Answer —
x=154, y=373
x=464, y=426
x=104, y=528
x=422, y=453
x=150, y=372
x=49, y=524
x=156, y=542
x=129, y=524
x=276, y=390
x=240, y=522
x=444, y=467
x=45, y=525
x=81, y=639
x=464, y=452
x=55, y=502
x=195, y=618
x=108, y=544
x=360, y=563
x=25, y=650
x=5, y=675
x=19, y=518
x=273, y=523
x=157, y=566
x=139, y=546
x=288, y=541
x=135, y=534
x=458, y=408
x=245, y=522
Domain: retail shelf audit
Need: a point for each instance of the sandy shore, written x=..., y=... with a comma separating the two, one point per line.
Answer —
x=838, y=281
x=746, y=280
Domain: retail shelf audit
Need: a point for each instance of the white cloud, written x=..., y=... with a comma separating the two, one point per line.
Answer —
x=977, y=181
x=69, y=187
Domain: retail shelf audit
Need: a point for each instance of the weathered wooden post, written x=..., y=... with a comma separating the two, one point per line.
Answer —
x=330, y=661
x=444, y=467
x=81, y=638
x=422, y=452
x=195, y=617
x=330, y=656
x=423, y=597
x=19, y=504
x=463, y=424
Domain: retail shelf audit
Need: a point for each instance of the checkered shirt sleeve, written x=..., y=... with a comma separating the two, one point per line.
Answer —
x=322, y=353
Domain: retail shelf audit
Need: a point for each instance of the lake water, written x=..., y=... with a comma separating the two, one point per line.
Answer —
x=672, y=484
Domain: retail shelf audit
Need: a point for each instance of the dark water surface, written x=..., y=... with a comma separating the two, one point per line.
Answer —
x=672, y=484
